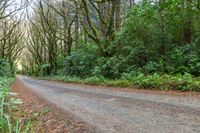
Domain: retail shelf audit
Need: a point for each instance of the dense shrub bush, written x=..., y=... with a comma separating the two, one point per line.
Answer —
x=185, y=82
x=183, y=59
x=84, y=62
x=111, y=67
x=81, y=61
x=5, y=69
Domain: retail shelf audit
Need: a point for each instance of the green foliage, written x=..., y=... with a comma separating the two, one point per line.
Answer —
x=156, y=46
x=177, y=61
x=152, y=66
x=184, y=59
x=151, y=38
x=45, y=70
x=85, y=63
x=111, y=67
x=81, y=61
x=5, y=69
x=184, y=82
x=9, y=124
x=156, y=81
x=60, y=65
x=95, y=80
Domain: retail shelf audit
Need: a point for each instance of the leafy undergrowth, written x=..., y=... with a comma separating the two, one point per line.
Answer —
x=8, y=104
x=155, y=81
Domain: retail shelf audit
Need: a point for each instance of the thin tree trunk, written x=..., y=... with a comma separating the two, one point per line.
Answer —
x=118, y=15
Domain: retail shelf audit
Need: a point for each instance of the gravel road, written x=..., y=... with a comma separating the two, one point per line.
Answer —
x=110, y=111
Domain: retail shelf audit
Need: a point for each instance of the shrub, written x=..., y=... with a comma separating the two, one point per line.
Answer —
x=95, y=80
x=7, y=104
x=184, y=82
x=82, y=61
x=108, y=67
x=45, y=70
x=151, y=67
x=194, y=64
x=5, y=69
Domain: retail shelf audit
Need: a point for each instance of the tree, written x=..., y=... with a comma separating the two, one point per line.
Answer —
x=11, y=34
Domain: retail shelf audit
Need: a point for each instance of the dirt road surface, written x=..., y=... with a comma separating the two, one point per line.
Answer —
x=115, y=111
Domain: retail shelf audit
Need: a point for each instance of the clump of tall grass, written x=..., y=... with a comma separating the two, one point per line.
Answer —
x=8, y=123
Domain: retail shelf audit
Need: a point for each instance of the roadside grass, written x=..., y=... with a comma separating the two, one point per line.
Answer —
x=185, y=82
x=8, y=104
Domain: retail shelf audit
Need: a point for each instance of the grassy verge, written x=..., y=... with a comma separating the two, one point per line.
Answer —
x=155, y=81
x=8, y=122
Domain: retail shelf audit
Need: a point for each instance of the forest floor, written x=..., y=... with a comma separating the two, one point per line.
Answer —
x=83, y=108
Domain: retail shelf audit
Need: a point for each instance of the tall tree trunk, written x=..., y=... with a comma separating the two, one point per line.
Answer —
x=162, y=27
x=186, y=33
x=65, y=26
x=118, y=15
x=77, y=27
x=104, y=12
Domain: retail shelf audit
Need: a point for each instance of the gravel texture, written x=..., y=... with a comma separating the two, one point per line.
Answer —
x=111, y=111
x=45, y=116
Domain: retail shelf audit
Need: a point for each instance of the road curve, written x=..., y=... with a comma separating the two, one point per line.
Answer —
x=112, y=111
